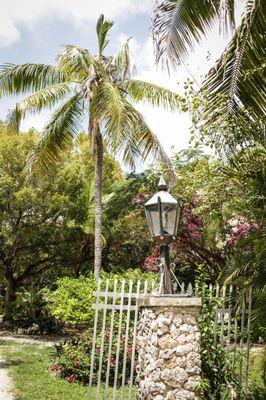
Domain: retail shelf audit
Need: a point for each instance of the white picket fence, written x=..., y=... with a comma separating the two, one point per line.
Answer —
x=114, y=350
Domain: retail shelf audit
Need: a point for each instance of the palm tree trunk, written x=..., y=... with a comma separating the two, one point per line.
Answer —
x=98, y=199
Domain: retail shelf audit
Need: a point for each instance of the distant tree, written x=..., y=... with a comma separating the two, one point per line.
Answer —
x=96, y=87
x=46, y=227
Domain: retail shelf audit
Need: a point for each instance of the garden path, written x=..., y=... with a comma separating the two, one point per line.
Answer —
x=41, y=341
x=5, y=382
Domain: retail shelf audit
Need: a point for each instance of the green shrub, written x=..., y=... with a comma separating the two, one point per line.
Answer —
x=218, y=375
x=31, y=307
x=72, y=301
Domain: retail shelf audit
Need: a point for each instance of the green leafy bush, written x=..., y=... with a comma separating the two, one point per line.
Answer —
x=72, y=301
x=31, y=307
x=218, y=376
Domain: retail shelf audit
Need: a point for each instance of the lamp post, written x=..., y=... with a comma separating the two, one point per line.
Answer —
x=163, y=212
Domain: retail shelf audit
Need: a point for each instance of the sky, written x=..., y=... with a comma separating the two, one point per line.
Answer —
x=36, y=30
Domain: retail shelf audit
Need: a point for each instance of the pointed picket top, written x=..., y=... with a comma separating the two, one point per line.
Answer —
x=162, y=185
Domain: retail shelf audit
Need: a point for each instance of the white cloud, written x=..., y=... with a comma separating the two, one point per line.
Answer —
x=8, y=32
x=15, y=13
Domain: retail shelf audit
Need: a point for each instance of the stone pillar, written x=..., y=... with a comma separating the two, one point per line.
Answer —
x=169, y=339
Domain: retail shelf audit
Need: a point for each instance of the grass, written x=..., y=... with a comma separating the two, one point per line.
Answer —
x=28, y=366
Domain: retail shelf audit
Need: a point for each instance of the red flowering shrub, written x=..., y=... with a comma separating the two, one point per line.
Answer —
x=152, y=263
x=73, y=357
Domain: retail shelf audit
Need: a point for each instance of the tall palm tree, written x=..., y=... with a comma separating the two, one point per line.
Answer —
x=239, y=73
x=98, y=88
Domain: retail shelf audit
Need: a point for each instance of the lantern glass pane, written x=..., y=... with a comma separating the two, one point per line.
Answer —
x=153, y=218
x=169, y=214
x=169, y=219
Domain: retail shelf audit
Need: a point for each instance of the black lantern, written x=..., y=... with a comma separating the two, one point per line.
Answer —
x=163, y=212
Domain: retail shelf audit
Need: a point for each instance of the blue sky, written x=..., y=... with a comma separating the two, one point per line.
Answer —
x=35, y=30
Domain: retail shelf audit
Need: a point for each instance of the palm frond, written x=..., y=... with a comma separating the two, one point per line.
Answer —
x=154, y=95
x=179, y=24
x=64, y=126
x=44, y=98
x=102, y=29
x=125, y=130
x=77, y=63
x=230, y=76
x=108, y=106
x=123, y=63
x=25, y=78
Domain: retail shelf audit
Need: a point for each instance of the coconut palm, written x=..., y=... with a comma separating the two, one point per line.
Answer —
x=94, y=88
x=238, y=74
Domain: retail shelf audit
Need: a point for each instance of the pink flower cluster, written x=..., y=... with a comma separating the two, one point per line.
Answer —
x=241, y=231
x=70, y=378
x=139, y=199
x=193, y=224
x=152, y=262
x=56, y=368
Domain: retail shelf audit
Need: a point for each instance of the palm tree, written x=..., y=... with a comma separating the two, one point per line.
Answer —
x=98, y=88
x=238, y=74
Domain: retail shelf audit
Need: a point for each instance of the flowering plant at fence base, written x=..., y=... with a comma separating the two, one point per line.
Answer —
x=72, y=358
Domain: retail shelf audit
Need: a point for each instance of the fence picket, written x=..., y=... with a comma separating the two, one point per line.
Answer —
x=210, y=291
x=248, y=337
x=229, y=316
x=243, y=311
x=190, y=289
x=126, y=340
x=110, y=342
x=134, y=344
x=222, y=313
x=196, y=289
x=94, y=338
x=102, y=336
x=216, y=319
x=235, y=331
x=119, y=338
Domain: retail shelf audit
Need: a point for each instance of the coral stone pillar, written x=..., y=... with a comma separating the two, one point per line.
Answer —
x=169, y=348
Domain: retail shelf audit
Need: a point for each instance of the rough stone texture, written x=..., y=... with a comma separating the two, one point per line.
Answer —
x=169, y=360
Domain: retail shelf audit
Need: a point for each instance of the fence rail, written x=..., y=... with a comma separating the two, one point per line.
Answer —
x=115, y=348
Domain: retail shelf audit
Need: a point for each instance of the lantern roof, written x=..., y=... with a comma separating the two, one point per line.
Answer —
x=165, y=197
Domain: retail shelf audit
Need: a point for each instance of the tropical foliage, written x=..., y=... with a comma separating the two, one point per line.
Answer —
x=46, y=226
x=96, y=91
x=237, y=78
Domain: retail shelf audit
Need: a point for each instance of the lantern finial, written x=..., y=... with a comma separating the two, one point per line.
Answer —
x=162, y=184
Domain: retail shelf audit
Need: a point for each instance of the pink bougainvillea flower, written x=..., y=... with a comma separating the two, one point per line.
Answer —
x=70, y=378
x=55, y=367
